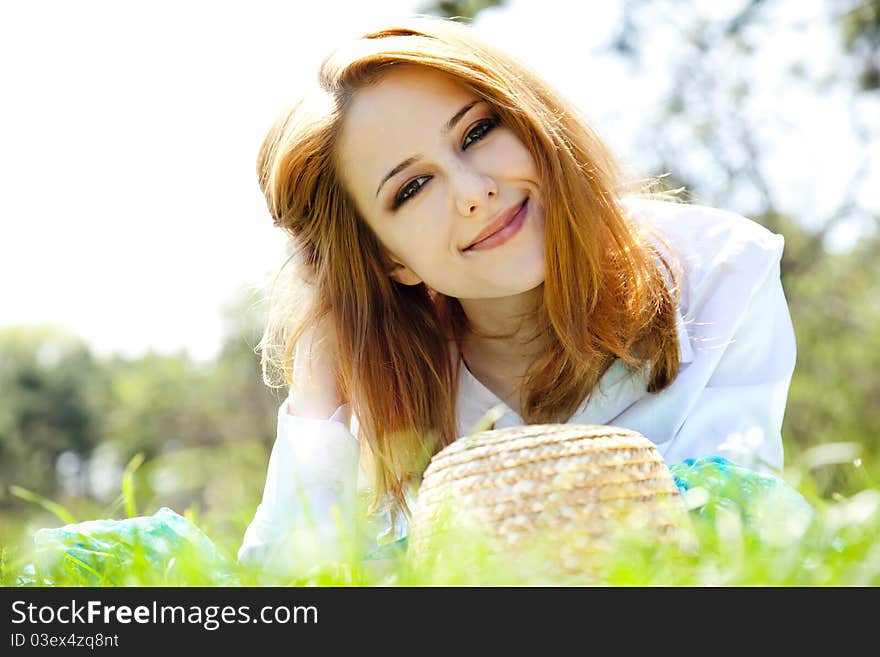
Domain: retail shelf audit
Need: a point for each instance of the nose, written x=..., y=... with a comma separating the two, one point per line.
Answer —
x=472, y=190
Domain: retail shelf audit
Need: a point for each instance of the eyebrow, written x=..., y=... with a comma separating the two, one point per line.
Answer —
x=450, y=124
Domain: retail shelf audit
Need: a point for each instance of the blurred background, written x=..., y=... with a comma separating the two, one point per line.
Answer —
x=136, y=248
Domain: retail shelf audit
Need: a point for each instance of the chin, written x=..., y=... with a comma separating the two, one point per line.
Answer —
x=532, y=273
x=525, y=285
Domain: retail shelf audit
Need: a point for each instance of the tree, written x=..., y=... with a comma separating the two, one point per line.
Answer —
x=51, y=403
x=459, y=8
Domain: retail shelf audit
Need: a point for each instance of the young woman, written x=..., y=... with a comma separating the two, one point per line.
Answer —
x=462, y=240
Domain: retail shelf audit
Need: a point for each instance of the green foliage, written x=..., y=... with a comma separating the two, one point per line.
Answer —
x=203, y=431
x=835, y=306
x=467, y=9
x=860, y=27
x=51, y=403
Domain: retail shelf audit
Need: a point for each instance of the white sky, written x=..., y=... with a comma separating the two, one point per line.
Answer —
x=128, y=133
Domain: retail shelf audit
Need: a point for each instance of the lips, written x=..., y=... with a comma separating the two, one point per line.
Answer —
x=497, y=224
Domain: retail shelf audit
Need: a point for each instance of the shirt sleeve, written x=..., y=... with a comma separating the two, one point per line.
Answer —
x=307, y=512
x=739, y=412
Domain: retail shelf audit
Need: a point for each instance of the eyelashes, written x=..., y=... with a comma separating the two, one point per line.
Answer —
x=481, y=129
x=475, y=134
x=409, y=190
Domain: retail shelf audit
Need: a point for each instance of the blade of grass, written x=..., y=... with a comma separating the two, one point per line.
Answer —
x=85, y=566
x=488, y=420
x=112, y=509
x=128, y=484
x=52, y=507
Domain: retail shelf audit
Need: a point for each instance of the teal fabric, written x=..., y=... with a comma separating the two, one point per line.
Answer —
x=727, y=486
x=166, y=547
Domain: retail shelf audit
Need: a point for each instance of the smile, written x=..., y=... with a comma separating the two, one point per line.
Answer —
x=505, y=234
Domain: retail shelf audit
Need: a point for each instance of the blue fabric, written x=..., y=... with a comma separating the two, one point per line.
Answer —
x=165, y=547
x=733, y=487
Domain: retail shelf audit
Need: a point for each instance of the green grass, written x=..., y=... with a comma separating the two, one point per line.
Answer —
x=840, y=547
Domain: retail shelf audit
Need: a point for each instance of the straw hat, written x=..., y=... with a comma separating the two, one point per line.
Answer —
x=577, y=484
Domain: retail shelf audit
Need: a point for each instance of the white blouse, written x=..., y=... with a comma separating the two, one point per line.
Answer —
x=737, y=350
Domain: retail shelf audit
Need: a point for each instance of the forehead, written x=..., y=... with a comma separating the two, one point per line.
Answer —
x=393, y=119
x=405, y=86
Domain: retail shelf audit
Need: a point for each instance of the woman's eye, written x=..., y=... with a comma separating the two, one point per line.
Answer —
x=409, y=190
x=479, y=131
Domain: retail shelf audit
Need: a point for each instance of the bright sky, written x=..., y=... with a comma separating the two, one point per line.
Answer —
x=128, y=199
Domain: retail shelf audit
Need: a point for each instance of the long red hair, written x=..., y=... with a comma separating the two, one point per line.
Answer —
x=608, y=291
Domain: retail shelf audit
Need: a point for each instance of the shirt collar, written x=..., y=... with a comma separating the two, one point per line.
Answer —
x=615, y=390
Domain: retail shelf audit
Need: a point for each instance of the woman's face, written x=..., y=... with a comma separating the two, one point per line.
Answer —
x=430, y=168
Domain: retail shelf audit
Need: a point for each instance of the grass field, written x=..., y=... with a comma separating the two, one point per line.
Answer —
x=838, y=545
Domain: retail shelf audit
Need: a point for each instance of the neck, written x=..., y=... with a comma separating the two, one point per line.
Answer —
x=509, y=318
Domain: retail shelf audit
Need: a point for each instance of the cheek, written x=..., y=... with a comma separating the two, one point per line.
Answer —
x=424, y=230
x=513, y=155
x=420, y=250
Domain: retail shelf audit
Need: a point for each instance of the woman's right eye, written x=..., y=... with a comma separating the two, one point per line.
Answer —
x=408, y=191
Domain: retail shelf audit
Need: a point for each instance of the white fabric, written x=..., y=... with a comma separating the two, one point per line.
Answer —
x=313, y=466
x=737, y=357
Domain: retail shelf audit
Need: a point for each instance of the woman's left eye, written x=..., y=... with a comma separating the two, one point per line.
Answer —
x=480, y=130
x=409, y=190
